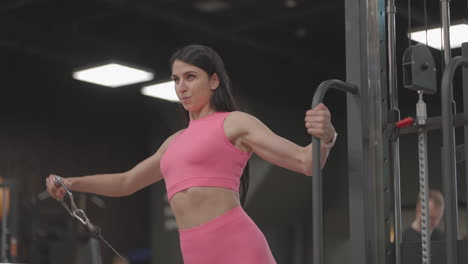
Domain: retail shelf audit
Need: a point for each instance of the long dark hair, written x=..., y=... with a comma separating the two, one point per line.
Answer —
x=222, y=99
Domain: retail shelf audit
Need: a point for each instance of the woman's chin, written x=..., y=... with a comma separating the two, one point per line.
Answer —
x=188, y=107
x=192, y=107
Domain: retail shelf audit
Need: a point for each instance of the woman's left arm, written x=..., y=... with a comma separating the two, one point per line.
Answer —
x=258, y=138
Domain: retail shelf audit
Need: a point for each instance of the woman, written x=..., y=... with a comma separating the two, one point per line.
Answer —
x=202, y=164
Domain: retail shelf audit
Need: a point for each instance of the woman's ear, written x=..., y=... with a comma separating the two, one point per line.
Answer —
x=214, y=81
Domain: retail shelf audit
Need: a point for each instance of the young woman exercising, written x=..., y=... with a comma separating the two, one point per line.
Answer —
x=202, y=165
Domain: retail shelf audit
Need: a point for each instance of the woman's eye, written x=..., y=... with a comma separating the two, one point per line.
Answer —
x=191, y=76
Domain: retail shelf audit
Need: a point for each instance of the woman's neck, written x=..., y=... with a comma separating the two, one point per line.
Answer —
x=202, y=113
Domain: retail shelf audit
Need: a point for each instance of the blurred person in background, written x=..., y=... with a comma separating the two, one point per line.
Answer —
x=436, y=212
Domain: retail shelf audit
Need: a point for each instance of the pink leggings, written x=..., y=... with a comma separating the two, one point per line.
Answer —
x=232, y=238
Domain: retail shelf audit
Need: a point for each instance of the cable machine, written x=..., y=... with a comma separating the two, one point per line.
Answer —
x=419, y=75
x=373, y=146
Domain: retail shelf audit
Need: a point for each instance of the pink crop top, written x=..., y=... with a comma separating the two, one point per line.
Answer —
x=202, y=156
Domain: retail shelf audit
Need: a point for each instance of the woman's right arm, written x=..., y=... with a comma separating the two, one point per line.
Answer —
x=116, y=184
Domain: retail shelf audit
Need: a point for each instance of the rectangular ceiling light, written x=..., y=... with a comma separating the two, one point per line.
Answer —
x=113, y=75
x=458, y=36
x=164, y=91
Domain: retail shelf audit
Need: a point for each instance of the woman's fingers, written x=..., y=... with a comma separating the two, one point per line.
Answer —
x=318, y=122
x=60, y=193
x=54, y=190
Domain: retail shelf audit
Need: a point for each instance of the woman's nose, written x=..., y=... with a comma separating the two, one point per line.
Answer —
x=181, y=87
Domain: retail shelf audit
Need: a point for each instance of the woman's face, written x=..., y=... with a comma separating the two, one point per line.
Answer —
x=193, y=85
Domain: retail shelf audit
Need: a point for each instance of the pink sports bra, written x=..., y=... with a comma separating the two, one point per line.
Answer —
x=202, y=156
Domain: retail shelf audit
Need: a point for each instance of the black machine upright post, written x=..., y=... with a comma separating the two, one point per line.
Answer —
x=445, y=17
x=449, y=162
x=448, y=132
x=465, y=110
x=394, y=117
x=368, y=160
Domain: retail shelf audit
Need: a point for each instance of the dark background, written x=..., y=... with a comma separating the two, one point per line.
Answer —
x=276, y=53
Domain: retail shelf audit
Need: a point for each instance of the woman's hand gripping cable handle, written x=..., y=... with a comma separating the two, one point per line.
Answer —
x=79, y=214
x=73, y=210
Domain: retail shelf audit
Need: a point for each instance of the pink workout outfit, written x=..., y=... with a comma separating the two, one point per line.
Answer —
x=202, y=155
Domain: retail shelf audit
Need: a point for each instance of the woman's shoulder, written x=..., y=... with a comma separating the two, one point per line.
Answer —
x=241, y=119
x=171, y=137
x=239, y=116
x=163, y=147
x=168, y=140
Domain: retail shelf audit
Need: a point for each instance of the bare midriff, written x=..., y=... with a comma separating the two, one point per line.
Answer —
x=198, y=205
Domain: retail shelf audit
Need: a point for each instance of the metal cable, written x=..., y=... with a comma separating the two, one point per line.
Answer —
x=113, y=249
x=409, y=23
x=425, y=20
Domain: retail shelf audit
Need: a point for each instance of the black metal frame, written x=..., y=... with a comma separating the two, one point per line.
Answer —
x=448, y=160
x=317, y=211
x=370, y=197
x=465, y=111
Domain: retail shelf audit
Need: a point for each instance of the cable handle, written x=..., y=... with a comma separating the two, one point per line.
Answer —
x=58, y=182
x=73, y=210
x=79, y=214
x=319, y=94
x=317, y=206
x=70, y=209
